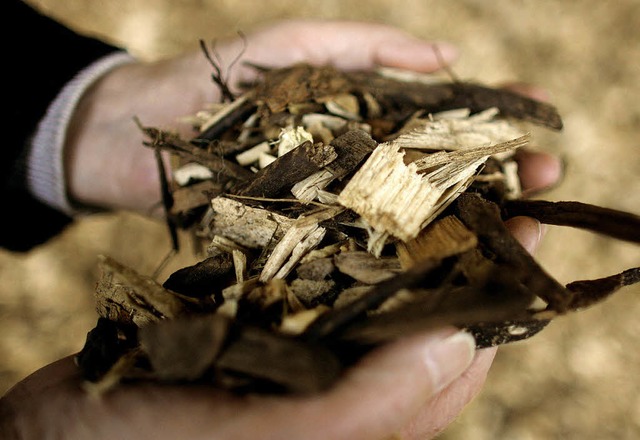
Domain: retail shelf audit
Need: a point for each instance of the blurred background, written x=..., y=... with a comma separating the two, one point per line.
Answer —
x=579, y=378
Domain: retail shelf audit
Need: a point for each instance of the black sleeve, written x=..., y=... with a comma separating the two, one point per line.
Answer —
x=43, y=56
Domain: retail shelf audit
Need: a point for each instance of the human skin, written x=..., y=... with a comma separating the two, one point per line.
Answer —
x=413, y=387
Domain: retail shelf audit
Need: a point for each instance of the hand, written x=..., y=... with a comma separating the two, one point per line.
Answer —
x=407, y=387
x=413, y=387
x=107, y=165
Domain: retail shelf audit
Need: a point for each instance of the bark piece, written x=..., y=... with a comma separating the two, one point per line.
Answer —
x=589, y=292
x=312, y=292
x=483, y=218
x=351, y=148
x=317, y=270
x=442, y=238
x=104, y=345
x=296, y=366
x=125, y=296
x=301, y=83
x=617, y=224
x=233, y=113
x=427, y=274
x=218, y=165
x=248, y=226
x=499, y=297
x=204, y=278
x=288, y=170
x=492, y=334
x=364, y=267
x=184, y=349
x=195, y=196
x=433, y=97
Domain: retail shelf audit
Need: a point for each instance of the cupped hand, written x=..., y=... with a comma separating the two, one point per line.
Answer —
x=108, y=166
x=412, y=388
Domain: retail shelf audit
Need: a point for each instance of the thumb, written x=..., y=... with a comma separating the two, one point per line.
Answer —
x=389, y=386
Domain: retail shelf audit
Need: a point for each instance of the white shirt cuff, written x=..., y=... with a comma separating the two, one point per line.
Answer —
x=45, y=166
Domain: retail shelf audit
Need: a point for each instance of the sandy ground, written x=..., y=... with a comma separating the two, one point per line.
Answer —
x=578, y=379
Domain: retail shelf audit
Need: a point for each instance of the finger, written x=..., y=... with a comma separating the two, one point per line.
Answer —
x=439, y=412
x=346, y=45
x=387, y=389
x=374, y=400
x=528, y=90
x=528, y=231
x=538, y=170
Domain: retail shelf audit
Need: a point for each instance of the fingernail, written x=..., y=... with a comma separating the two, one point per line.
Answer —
x=527, y=230
x=448, y=358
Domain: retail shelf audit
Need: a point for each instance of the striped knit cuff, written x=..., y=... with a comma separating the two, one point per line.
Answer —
x=45, y=167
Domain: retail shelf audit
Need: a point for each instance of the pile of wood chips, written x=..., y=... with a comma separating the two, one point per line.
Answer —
x=336, y=212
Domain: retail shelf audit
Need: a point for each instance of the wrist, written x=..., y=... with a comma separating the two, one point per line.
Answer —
x=45, y=167
x=106, y=163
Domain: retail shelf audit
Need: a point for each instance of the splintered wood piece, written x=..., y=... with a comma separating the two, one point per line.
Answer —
x=220, y=245
x=239, y=265
x=290, y=364
x=483, y=218
x=291, y=138
x=184, y=348
x=391, y=196
x=302, y=237
x=344, y=105
x=442, y=238
x=289, y=169
x=394, y=198
x=589, y=292
x=450, y=131
x=248, y=226
x=307, y=190
x=125, y=296
x=350, y=294
x=323, y=126
x=239, y=290
x=253, y=154
x=445, y=159
x=190, y=172
x=617, y=224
